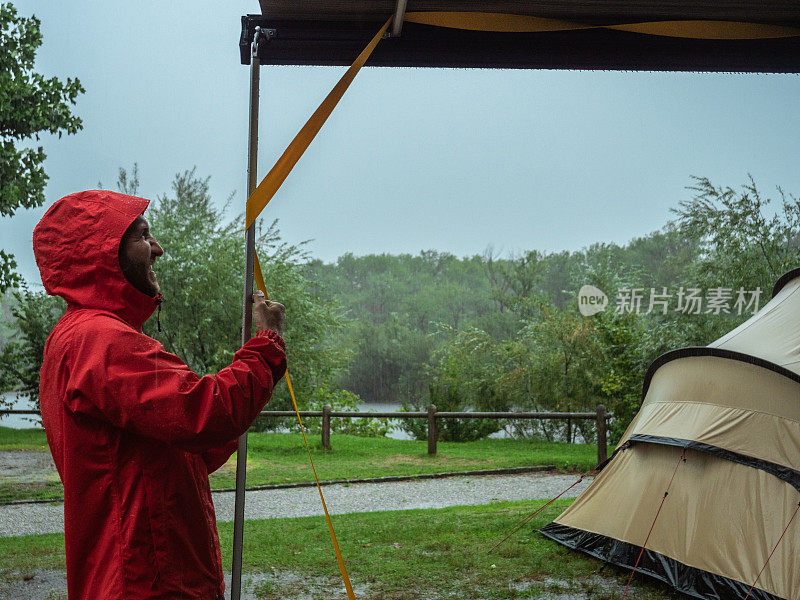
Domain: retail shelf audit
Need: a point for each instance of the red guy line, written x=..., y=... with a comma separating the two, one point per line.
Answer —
x=658, y=512
x=540, y=509
x=773, y=551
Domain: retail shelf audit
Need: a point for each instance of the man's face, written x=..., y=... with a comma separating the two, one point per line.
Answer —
x=138, y=251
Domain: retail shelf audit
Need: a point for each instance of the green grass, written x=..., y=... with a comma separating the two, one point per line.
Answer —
x=398, y=555
x=30, y=552
x=23, y=439
x=26, y=490
x=282, y=458
x=275, y=458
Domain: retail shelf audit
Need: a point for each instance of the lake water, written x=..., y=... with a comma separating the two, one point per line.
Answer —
x=18, y=421
x=395, y=433
x=398, y=433
x=25, y=421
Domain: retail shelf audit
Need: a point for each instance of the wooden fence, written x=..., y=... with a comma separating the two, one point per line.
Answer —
x=600, y=416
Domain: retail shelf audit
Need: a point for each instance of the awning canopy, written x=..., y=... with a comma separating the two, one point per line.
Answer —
x=326, y=32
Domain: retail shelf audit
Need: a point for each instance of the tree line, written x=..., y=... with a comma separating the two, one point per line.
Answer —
x=484, y=332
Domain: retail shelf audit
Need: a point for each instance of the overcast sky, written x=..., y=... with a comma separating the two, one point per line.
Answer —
x=412, y=159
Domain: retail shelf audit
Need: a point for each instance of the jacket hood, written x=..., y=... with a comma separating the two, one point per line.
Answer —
x=76, y=245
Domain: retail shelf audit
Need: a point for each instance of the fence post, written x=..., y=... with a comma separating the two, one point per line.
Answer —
x=569, y=430
x=433, y=432
x=602, y=444
x=326, y=427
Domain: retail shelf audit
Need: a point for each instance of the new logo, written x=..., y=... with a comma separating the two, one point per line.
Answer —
x=591, y=300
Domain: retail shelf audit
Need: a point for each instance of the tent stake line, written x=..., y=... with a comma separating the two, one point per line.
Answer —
x=541, y=508
x=780, y=539
x=681, y=459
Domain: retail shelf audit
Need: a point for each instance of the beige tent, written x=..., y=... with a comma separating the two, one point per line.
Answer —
x=734, y=408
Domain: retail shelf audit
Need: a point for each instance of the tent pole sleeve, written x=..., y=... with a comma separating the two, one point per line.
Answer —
x=247, y=319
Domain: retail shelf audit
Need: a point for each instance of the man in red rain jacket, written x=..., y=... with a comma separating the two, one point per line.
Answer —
x=134, y=433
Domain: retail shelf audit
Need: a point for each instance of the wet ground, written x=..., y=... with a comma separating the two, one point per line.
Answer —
x=52, y=585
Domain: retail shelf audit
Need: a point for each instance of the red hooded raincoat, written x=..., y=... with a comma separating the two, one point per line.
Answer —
x=134, y=433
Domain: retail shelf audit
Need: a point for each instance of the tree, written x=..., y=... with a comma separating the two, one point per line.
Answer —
x=562, y=370
x=740, y=242
x=34, y=316
x=30, y=104
x=516, y=280
x=465, y=376
x=201, y=279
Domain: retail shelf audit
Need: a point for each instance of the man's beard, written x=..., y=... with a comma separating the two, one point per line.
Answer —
x=140, y=276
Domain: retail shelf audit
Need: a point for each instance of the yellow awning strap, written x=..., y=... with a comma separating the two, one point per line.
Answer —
x=261, y=196
x=500, y=22
x=277, y=175
x=259, y=277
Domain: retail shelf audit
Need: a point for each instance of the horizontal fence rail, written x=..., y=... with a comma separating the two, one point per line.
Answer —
x=600, y=416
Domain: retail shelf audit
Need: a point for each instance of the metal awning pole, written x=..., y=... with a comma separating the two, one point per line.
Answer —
x=399, y=15
x=247, y=319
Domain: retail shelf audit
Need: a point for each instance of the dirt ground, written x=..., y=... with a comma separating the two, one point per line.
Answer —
x=52, y=585
x=34, y=585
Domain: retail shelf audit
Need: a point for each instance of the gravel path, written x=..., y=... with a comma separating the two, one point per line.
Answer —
x=26, y=466
x=366, y=497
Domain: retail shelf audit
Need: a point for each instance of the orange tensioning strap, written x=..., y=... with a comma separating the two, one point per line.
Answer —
x=501, y=22
x=265, y=191
x=345, y=577
x=278, y=174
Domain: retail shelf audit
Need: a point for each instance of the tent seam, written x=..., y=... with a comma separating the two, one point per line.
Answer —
x=707, y=351
x=724, y=454
x=743, y=410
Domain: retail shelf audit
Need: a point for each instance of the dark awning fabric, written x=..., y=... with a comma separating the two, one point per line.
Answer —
x=317, y=32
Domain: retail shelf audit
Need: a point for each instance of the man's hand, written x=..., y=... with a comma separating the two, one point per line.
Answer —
x=266, y=314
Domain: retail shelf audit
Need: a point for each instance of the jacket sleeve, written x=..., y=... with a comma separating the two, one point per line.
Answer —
x=127, y=379
x=216, y=457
